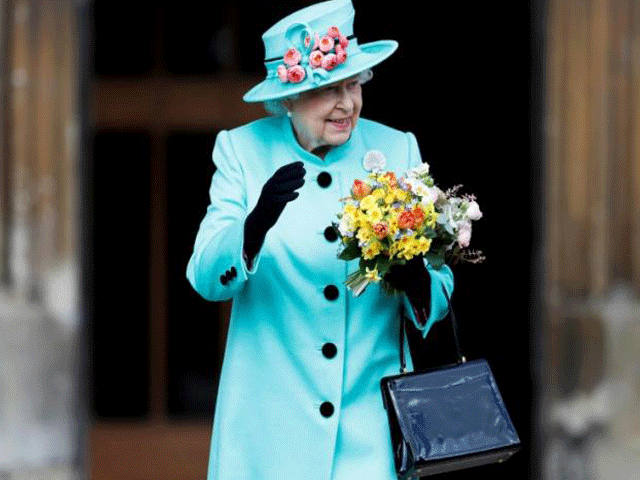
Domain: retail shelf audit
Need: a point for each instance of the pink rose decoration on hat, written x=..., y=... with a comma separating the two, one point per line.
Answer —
x=330, y=61
x=315, y=59
x=292, y=57
x=333, y=32
x=282, y=73
x=341, y=54
x=328, y=51
x=296, y=74
x=327, y=43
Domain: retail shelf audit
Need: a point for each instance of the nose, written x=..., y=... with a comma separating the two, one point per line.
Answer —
x=344, y=99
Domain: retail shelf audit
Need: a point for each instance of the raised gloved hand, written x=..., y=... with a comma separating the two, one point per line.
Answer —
x=276, y=193
x=414, y=279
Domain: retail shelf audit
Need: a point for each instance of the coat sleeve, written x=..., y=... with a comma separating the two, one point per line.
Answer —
x=217, y=252
x=439, y=277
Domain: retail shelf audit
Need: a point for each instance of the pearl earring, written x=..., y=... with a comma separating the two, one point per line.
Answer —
x=288, y=114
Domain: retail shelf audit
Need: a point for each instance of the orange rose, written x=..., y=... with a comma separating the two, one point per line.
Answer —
x=393, y=181
x=360, y=189
x=405, y=220
x=418, y=216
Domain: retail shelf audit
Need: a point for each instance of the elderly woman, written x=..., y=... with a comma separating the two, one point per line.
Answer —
x=299, y=393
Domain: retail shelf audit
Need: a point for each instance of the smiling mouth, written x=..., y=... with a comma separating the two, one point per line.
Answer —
x=340, y=123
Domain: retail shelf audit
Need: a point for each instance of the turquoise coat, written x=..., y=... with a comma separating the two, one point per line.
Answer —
x=299, y=392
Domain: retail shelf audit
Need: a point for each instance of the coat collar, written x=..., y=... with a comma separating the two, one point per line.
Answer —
x=333, y=155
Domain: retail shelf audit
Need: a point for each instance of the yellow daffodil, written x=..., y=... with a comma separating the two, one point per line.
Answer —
x=393, y=224
x=364, y=235
x=368, y=202
x=402, y=196
x=372, y=275
x=350, y=209
x=390, y=198
x=430, y=214
x=372, y=250
x=374, y=216
x=378, y=193
x=423, y=246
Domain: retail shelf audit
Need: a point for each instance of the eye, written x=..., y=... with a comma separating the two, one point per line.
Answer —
x=330, y=90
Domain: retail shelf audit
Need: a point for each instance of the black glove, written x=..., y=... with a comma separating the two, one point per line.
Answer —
x=276, y=193
x=414, y=279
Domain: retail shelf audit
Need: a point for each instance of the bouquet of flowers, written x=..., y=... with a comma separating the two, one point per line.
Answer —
x=388, y=220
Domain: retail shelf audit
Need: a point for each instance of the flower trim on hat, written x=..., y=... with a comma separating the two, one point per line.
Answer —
x=327, y=52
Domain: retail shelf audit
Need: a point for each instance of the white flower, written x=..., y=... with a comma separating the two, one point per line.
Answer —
x=446, y=218
x=473, y=211
x=345, y=227
x=419, y=171
x=464, y=234
x=431, y=195
x=374, y=161
x=417, y=186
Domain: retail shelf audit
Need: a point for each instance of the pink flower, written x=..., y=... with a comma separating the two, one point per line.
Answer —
x=464, y=234
x=344, y=41
x=341, y=54
x=316, y=42
x=292, y=57
x=282, y=73
x=296, y=74
x=326, y=43
x=333, y=32
x=381, y=230
x=315, y=59
x=330, y=61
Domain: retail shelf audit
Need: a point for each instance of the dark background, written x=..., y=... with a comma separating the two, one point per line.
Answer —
x=466, y=80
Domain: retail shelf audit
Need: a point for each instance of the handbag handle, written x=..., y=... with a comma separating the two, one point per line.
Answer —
x=452, y=316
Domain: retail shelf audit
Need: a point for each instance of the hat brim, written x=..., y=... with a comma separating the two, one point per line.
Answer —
x=370, y=54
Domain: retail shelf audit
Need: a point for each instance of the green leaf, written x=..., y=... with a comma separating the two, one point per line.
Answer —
x=437, y=255
x=436, y=260
x=429, y=233
x=350, y=252
x=370, y=264
x=383, y=265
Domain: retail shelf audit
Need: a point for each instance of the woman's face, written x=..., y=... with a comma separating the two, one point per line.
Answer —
x=325, y=117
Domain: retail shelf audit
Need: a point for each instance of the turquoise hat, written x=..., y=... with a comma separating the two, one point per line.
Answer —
x=313, y=47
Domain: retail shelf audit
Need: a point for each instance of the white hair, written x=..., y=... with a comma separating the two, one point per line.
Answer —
x=276, y=107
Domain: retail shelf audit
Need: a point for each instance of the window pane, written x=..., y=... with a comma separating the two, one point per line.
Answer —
x=123, y=34
x=119, y=307
x=193, y=330
x=195, y=38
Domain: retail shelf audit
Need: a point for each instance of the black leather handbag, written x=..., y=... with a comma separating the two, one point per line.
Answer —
x=446, y=418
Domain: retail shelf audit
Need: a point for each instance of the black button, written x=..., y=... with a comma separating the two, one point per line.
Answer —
x=329, y=350
x=331, y=292
x=234, y=272
x=324, y=179
x=223, y=280
x=330, y=234
x=326, y=409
